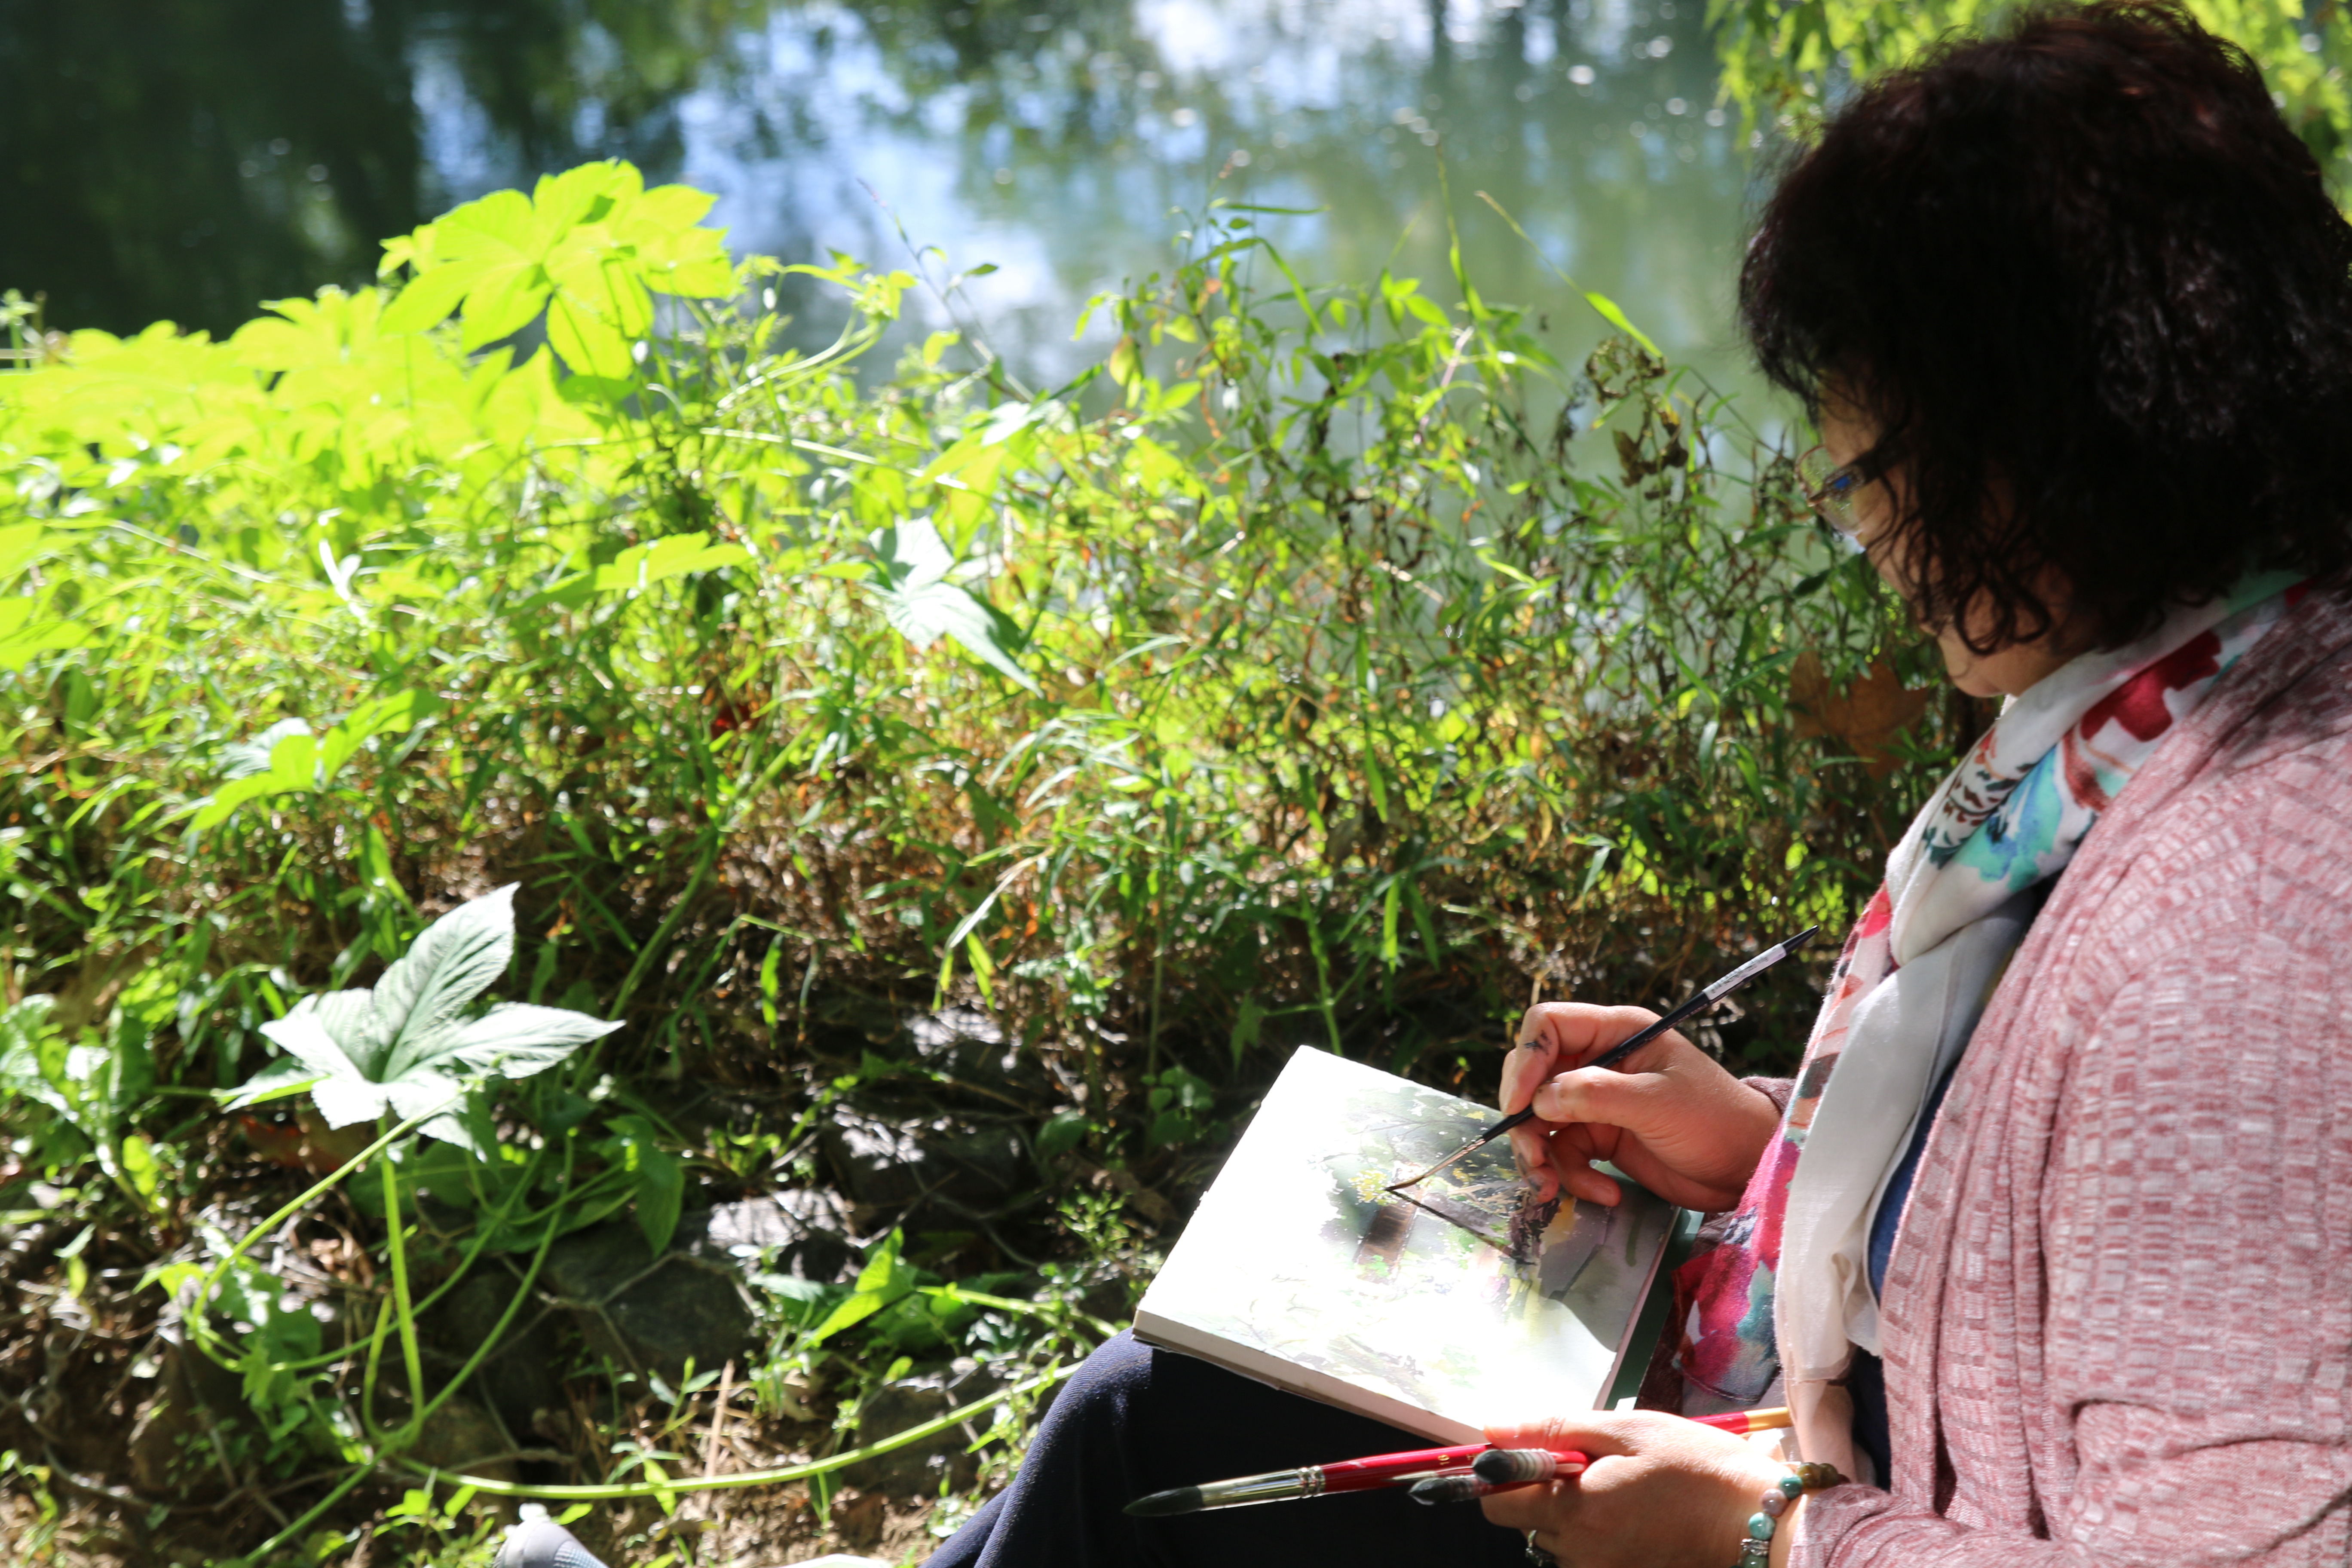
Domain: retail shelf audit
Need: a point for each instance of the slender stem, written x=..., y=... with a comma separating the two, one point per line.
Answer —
x=1325, y=1002
x=491, y=1487
x=661, y=936
x=523, y=1293
x=374, y=1365
x=483, y=1230
x=294, y=1531
x=409, y=1351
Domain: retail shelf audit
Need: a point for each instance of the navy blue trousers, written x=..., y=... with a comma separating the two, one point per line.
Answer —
x=1136, y=1420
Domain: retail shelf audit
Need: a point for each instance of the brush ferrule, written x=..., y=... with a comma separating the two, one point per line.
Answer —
x=1746, y=972
x=1276, y=1485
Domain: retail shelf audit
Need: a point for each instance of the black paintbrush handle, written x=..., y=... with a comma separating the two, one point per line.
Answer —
x=1634, y=1042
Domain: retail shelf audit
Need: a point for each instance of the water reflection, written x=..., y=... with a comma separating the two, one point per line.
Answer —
x=184, y=161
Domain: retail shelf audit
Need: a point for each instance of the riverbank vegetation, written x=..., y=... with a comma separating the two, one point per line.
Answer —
x=924, y=812
x=1328, y=667
x=960, y=797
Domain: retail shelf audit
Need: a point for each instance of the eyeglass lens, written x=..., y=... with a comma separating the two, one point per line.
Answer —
x=1831, y=488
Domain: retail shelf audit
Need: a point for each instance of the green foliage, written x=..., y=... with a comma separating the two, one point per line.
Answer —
x=1329, y=664
x=1791, y=59
x=81, y=1096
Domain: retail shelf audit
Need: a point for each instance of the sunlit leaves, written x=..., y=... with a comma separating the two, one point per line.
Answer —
x=657, y=1180
x=288, y=759
x=639, y=567
x=1787, y=60
x=24, y=633
x=887, y=1279
x=588, y=248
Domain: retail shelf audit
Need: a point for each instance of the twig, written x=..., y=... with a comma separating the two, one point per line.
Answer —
x=718, y=1421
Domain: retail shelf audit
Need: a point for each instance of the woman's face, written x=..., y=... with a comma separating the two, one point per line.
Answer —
x=1847, y=433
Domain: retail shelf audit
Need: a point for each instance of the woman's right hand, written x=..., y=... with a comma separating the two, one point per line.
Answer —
x=1668, y=1116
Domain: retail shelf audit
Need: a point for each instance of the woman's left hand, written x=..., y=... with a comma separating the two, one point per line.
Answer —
x=1660, y=1492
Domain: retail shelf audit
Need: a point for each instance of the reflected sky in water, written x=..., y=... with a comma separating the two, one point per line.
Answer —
x=185, y=161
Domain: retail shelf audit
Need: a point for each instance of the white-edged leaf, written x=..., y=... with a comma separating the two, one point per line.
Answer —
x=343, y=1093
x=922, y=605
x=923, y=614
x=303, y=1036
x=287, y=1075
x=452, y=1128
x=912, y=553
x=423, y=1093
x=351, y=1019
x=405, y=1048
x=518, y=1040
x=343, y=1100
x=453, y=961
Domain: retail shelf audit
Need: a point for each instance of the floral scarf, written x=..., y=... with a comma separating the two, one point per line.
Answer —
x=2010, y=817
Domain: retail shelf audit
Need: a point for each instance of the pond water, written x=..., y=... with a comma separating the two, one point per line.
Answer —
x=184, y=161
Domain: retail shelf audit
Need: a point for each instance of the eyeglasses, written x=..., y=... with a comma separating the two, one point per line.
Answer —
x=1832, y=489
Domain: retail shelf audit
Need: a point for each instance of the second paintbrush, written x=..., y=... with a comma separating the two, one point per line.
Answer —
x=1706, y=996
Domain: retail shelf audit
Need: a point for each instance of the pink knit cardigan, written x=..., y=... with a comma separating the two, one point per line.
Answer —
x=2118, y=1317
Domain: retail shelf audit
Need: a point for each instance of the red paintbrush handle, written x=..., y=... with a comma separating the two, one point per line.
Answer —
x=1390, y=1469
x=1380, y=1469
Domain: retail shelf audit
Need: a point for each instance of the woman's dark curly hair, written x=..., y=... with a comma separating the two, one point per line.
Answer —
x=2093, y=293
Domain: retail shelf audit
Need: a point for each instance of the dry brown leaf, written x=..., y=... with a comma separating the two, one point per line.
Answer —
x=1864, y=718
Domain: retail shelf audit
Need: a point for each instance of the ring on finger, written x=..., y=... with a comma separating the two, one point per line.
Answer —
x=1536, y=1553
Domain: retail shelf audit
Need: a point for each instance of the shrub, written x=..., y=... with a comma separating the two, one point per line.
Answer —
x=1329, y=665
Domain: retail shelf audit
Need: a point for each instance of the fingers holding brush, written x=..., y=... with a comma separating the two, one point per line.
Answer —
x=1657, y=1489
x=1555, y=1037
x=1669, y=1115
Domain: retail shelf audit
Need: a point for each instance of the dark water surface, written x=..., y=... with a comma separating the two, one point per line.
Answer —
x=184, y=159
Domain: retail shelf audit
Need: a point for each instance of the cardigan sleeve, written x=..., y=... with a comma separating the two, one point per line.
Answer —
x=1776, y=1089
x=2189, y=1397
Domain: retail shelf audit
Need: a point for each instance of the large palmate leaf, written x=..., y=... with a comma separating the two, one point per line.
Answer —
x=407, y=1046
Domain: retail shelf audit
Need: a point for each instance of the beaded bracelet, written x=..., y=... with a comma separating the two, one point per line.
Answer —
x=1802, y=1478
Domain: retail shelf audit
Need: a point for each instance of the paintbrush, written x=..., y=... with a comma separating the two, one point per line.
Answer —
x=1323, y=1480
x=1705, y=997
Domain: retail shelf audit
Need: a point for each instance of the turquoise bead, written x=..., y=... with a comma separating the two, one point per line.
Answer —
x=1759, y=1526
x=1793, y=1486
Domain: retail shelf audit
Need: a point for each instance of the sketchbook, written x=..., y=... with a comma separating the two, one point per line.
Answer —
x=1439, y=1310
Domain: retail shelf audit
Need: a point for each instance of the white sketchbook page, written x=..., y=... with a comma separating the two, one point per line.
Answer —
x=1299, y=1270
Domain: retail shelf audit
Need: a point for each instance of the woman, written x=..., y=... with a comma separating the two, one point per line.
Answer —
x=2052, y=1239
